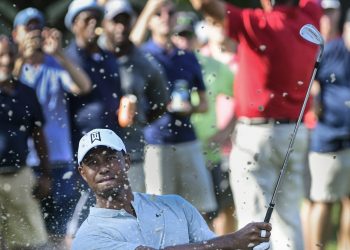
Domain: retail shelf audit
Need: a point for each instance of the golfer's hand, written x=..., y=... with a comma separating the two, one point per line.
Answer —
x=250, y=235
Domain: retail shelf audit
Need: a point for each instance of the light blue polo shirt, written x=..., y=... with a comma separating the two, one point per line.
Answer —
x=161, y=221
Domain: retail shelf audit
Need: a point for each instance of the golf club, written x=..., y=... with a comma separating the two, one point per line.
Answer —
x=311, y=34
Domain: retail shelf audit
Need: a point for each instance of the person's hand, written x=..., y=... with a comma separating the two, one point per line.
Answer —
x=186, y=109
x=52, y=43
x=251, y=235
x=31, y=43
x=43, y=187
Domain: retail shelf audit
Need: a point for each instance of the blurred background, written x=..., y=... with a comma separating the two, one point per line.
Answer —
x=55, y=10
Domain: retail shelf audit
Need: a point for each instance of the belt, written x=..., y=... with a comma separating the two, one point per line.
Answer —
x=262, y=121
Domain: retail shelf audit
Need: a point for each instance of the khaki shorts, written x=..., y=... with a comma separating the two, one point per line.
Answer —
x=330, y=175
x=21, y=221
x=180, y=169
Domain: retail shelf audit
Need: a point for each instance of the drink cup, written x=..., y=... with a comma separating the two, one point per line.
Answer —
x=127, y=109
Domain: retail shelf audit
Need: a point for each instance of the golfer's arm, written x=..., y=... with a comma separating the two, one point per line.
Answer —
x=214, y=8
x=221, y=242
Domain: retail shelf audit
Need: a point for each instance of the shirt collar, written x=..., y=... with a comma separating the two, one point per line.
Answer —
x=155, y=48
x=114, y=213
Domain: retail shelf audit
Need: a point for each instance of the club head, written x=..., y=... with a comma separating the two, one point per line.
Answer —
x=311, y=34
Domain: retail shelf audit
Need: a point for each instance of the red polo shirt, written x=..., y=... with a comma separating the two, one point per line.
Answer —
x=275, y=63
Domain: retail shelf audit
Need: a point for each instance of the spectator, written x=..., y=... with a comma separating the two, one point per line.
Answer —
x=126, y=220
x=174, y=162
x=268, y=101
x=329, y=23
x=139, y=76
x=99, y=107
x=218, y=80
x=329, y=28
x=43, y=67
x=218, y=45
x=330, y=144
x=22, y=225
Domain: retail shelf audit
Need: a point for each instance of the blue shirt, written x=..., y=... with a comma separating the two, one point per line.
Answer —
x=332, y=132
x=50, y=82
x=98, y=108
x=160, y=221
x=20, y=113
x=178, y=65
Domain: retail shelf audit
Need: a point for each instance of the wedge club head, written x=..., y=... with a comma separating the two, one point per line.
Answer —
x=312, y=35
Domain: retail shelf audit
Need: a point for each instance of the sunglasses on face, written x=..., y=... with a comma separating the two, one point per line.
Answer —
x=186, y=34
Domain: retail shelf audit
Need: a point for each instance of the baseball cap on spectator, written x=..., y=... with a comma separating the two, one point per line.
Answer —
x=99, y=137
x=330, y=4
x=185, y=22
x=77, y=6
x=25, y=16
x=116, y=7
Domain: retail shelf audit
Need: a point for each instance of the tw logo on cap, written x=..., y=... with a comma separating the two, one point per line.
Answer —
x=95, y=136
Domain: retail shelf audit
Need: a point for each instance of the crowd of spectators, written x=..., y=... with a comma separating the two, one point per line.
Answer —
x=211, y=95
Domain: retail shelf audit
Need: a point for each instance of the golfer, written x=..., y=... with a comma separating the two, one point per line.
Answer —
x=125, y=220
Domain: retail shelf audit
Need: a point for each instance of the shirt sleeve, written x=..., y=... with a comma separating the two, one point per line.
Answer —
x=313, y=9
x=66, y=80
x=233, y=21
x=93, y=240
x=197, y=227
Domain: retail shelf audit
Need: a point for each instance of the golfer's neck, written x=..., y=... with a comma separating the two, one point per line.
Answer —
x=122, y=201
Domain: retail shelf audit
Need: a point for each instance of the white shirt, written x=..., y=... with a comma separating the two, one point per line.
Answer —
x=161, y=221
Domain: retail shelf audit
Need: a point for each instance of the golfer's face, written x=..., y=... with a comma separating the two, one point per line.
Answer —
x=104, y=170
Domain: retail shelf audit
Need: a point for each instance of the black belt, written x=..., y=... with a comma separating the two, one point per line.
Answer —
x=262, y=121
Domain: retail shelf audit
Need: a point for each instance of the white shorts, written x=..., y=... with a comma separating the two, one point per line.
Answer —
x=180, y=169
x=330, y=175
x=255, y=162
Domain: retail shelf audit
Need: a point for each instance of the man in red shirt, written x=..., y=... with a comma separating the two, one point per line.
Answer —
x=274, y=71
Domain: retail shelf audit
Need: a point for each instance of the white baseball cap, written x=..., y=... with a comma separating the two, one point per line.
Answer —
x=330, y=4
x=99, y=137
x=116, y=7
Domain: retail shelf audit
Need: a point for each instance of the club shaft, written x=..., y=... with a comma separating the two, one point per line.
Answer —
x=290, y=148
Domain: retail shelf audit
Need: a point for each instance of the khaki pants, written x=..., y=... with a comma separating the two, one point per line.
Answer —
x=21, y=221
